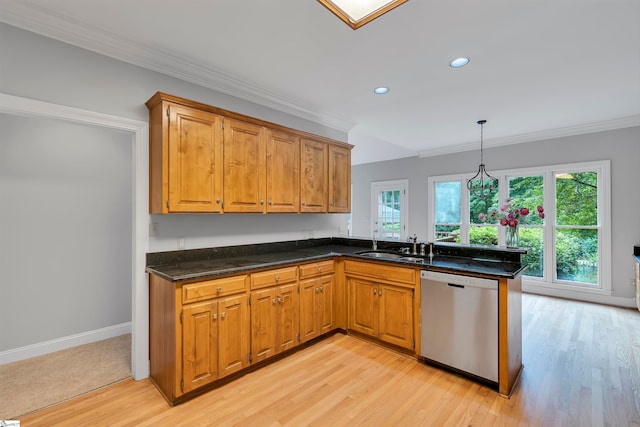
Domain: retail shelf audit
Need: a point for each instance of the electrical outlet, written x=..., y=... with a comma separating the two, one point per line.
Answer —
x=153, y=229
x=180, y=243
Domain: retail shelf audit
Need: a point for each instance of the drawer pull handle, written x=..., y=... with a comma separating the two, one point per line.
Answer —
x=218, y=289
x=277, y=278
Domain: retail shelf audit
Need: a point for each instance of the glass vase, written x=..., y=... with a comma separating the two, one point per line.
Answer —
x=513, y=236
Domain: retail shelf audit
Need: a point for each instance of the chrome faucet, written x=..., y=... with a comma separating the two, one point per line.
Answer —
x=415, y=243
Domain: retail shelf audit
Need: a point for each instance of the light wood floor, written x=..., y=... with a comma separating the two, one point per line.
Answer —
x=582, y=368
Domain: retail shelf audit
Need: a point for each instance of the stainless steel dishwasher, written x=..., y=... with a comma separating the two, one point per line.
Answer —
x=459, y=316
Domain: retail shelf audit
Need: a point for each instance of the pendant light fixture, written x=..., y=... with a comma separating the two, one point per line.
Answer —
x=482, y=184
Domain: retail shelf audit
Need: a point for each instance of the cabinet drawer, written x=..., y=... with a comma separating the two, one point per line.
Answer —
x=274, y=277
x=381, y=272
x=316, y=269
x=213, y=288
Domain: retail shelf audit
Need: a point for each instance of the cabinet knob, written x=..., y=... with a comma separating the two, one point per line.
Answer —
x=215, y=316
x=374, y=292
x=277, y=278
x=273, y=301
x=223, y=315
x=218, y=200
x=270, y=202
x=262, y=201
x=218, y=289
x=320, y=269
x=280, y=300
x=380, y=293
x=303, y=203
x=317, y=290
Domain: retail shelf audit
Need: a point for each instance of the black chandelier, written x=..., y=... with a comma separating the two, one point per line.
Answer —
x=482, y=184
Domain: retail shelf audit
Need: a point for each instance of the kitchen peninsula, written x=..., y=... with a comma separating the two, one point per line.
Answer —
x=218, y=313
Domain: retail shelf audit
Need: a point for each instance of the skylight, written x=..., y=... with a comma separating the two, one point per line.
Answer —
x=356, y=13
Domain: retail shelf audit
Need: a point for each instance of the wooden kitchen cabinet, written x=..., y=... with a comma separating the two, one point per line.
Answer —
x=185, y=159
x=283, y=172
x=317, y=299
x=244, y=167
x=339, y=175
x=275, y=308
x=314, y=178
x=198, y=332
x=381, y=302
x=205, y=159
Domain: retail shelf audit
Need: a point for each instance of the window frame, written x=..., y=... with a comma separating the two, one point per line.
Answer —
x=403, y=186
x=549, y=280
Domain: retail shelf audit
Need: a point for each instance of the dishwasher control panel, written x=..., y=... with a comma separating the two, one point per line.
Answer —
x=458, y=279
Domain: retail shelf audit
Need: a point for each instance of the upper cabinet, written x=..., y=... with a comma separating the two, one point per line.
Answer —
x=339, y=179
x=283, y=171
x=205, y=159
x=185, y=159
x=314, y=179
x=244, y=167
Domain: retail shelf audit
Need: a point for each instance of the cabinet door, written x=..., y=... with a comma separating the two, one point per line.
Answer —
x=195, y=160
x=314, y=176
x=244, y=171
x=326, y=305
x=264, y=313
x=199, y=345
x=309, y=294
x=363, y=306
x=396, y=315
x=339, y=179
x=288, y=317
x=233, y=334
x=283, y=172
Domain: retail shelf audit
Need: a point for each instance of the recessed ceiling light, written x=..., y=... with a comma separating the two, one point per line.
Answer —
x=381, y=90
x=459, y=62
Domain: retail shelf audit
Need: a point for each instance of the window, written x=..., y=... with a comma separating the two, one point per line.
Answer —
x=389, y=210
x=569, y=249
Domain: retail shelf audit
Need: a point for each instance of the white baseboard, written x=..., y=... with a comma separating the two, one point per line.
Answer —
x=58, y=344
x=580, y=296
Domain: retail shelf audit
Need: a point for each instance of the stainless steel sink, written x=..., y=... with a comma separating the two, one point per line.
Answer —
x=412, y=259
x=374, y=254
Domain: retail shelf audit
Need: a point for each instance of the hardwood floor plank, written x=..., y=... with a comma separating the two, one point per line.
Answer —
x=582, y=368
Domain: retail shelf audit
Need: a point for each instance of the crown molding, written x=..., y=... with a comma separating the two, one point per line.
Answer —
x=621, y=123
x=47, y=22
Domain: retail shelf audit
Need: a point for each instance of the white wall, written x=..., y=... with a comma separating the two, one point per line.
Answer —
x=621, y=146
x=65, y=223
x=43, y=69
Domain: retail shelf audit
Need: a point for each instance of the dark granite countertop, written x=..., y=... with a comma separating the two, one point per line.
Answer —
x=208, y=263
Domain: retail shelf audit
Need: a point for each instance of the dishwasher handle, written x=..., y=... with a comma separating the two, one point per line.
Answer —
x=455, y=285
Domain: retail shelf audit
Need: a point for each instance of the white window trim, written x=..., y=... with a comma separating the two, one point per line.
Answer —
x=399, y=184
x=560, y=288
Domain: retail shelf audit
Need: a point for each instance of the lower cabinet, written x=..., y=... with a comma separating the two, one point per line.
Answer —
x=317, y=302
x=198, y=332
x=206, y=330
x=274, y=321
x=378, y=307
x=275, y=308
x=214, y=340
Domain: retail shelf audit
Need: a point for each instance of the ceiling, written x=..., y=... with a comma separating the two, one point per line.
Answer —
x=538, y=68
